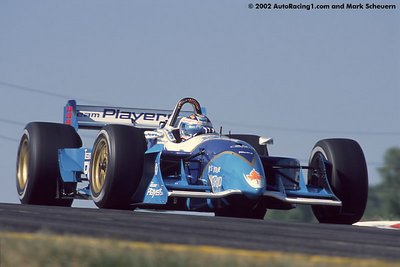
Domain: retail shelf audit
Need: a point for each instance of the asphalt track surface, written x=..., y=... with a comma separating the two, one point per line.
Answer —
x=161, y=227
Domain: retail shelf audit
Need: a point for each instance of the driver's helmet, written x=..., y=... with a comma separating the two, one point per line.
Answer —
x=193, y=125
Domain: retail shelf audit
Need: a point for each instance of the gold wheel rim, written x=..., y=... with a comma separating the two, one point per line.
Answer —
x=22, y=168
x=99, y=166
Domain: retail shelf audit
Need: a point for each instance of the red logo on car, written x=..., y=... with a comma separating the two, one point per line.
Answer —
x=254, y=175
x=254, y=179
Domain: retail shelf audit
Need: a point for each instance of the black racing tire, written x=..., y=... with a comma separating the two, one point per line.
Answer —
x=38, y=174
x=240, y=207
x=348, y=179
x=116, y=166
x=253, y=140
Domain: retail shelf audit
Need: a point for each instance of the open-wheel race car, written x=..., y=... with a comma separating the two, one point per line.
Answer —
x=175, y=160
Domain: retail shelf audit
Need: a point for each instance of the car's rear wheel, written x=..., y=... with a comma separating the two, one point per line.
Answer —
x=347, y=176
x=38, y=175
x=116, y=166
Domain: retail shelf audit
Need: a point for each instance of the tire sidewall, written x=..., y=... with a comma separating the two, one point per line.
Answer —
x=126, y=148
x=23, y=193
x=44, y=141
x=348, y=180
x=99, y=198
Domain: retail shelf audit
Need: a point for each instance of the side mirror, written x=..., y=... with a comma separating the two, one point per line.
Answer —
x=265, y=140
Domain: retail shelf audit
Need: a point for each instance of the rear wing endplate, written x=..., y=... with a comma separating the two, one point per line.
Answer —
x=96, y=117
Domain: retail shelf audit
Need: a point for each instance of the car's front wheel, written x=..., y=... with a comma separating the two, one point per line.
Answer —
x=347, y=176
x=116, y=166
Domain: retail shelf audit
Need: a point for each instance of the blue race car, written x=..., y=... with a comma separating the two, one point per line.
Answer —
x=175, y=160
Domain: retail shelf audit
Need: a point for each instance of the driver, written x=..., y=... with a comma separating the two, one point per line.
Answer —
x=195, y=124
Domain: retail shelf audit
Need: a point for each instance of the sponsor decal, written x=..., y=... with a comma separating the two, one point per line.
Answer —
x=155, y=169
x=86, y=166
x=216, y=182
x=214, y=178
x=87, y=114
x=88, y=155
x=214, y=169
x=153, y=192
x=120, y=114
x=112, y=113
x=254, y=179
x=239, y=146
x=245, y=152
x=86, y=163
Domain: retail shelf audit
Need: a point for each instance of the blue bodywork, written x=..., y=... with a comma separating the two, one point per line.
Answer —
x=220, y=165
x=217, y=168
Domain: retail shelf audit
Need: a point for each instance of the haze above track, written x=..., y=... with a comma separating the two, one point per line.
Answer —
x=323, y=239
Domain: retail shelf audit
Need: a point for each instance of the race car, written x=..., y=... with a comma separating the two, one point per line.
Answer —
x=176, y=160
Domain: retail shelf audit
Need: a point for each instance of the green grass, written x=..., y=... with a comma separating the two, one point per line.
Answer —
x=43, y=249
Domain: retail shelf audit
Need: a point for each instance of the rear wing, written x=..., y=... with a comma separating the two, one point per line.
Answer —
x=96, y=117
